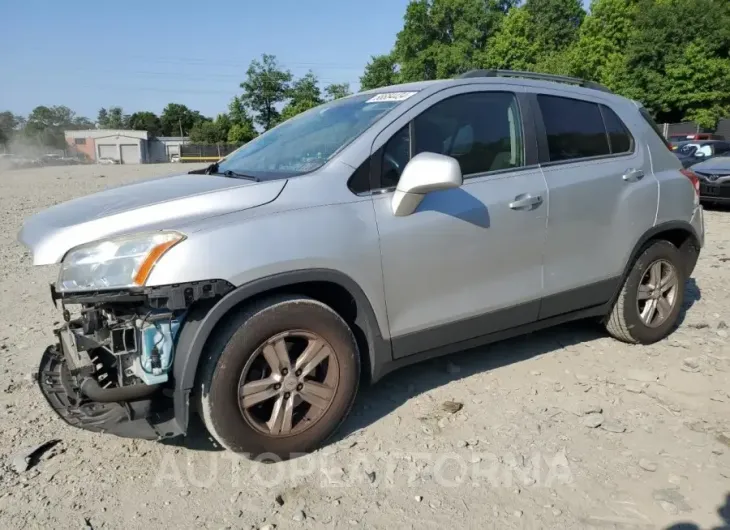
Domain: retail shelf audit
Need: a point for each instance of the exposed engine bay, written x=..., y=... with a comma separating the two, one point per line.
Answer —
x=115, y=351
x=119, y=348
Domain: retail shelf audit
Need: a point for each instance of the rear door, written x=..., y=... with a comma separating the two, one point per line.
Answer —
x=603, y=197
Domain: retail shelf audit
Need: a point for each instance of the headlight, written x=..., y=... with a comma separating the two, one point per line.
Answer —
x=114, y=263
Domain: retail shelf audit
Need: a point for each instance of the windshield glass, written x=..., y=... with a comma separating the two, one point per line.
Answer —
x=305, y=142
x=687, y=149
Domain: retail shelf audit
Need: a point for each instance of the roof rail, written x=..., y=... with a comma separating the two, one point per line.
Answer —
x=532, y=75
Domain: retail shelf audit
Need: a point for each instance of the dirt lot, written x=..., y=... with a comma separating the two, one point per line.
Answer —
x=561, y=429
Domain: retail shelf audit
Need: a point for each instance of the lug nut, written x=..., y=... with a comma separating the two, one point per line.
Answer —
x=298, y=373
x=300, y=386
x=286, y=395
x=284, y=371
x=277, y=386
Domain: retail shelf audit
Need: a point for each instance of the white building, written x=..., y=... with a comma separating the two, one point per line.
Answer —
x=124, y=146
x=163, y=148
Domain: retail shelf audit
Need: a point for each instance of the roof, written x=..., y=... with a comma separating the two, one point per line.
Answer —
x=103, y=133
x=173, y=138
x=506, y=77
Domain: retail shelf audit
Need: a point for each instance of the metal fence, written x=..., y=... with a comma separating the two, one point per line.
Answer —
x=205, y=153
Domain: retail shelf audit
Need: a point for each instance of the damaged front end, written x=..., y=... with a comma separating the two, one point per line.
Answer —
x=111, y=368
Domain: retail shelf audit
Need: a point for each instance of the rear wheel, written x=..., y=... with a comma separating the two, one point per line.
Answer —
x=648, y=306
x=280, y=378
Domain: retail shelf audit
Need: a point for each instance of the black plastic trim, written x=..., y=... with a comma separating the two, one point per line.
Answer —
x=482, y=340
x=536, y=76
x=463, y=330
x=529, y=131
x=652, y=233
x=591, y=295
x=595, y=297
x=173, y=297
x=91, y=389
x=128, y=420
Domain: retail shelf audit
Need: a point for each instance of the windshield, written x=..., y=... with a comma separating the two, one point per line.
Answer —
x=687, y=149
x=306, y=142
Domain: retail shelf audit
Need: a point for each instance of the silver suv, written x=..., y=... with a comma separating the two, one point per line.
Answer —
x=366, y=234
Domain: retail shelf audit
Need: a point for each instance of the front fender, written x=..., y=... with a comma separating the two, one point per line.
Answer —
x=202, y=321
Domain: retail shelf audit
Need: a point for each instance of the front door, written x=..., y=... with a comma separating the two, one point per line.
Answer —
x=468, y=261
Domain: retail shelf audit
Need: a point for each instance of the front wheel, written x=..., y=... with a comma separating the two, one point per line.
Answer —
x=649, y=303
x=280, y=378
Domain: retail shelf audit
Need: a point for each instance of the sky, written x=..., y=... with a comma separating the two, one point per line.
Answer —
x=141, y=55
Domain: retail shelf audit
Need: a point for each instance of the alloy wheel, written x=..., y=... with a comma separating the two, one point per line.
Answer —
x=289, y=383
x=657, y=293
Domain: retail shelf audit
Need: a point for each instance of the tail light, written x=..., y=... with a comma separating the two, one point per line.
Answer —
x=692, y=176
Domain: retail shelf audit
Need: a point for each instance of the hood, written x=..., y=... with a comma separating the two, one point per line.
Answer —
x=157, y=204
x=719, y=165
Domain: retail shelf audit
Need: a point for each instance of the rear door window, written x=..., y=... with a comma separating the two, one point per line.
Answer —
x=574, y=128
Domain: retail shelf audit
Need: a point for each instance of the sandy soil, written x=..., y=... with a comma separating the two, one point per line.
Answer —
x=565, y=428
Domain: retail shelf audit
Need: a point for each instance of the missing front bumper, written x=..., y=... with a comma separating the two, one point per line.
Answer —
x=60, y=388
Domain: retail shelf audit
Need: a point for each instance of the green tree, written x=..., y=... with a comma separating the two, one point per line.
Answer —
x=265, y=86
x=513, y=47
x=207, y=131
x=145, y=121
x=555, y=23
x=237, y=111
x=599, y=53
x=102, y=119
x=676, y=59
x=81, y=123
x=45, y=125
x=116, y=118
x=303, y=95
x=379, y=72
x=337, y=91
x=242, y=129
x=700, y=86
x=8, y=124
x=178, y=120
x=443, y=38
x=241, y=133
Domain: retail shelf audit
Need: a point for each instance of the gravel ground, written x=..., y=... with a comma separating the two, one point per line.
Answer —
x=565, y=428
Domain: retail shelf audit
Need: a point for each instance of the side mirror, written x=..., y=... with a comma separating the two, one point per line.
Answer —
x=426, y=172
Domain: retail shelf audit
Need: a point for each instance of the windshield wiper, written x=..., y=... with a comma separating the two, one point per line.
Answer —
x=233, y=174
x=213, y=170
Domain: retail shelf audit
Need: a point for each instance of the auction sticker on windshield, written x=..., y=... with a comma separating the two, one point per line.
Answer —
x=390, y=96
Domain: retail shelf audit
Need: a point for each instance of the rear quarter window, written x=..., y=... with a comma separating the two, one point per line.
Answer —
x=650, y=121
x=619, y=137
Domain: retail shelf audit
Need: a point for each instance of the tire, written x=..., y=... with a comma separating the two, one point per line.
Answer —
x=238, y=344
x=624, y=322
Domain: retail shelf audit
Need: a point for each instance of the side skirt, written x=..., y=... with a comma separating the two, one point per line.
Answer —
x=590, y=312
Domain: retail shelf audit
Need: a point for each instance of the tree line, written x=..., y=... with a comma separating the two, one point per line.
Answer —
x=671, y=55
x=267, y=88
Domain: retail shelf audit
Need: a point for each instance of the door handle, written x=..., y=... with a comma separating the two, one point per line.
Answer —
x=525, y=200
x=632, y=175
